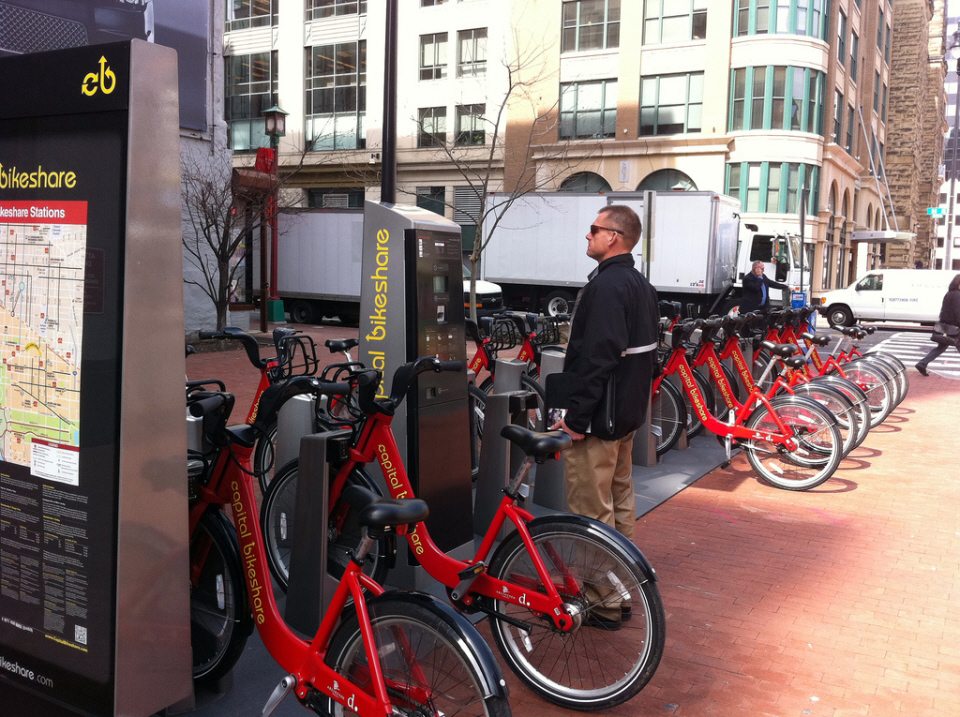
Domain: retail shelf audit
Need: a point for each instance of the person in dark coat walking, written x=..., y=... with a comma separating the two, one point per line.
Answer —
x=950, y=315
x=756, y=290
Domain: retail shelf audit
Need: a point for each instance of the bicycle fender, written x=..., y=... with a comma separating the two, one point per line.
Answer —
x=800, y=400
x=233, y=546
x=605, y=532
x=486, y=667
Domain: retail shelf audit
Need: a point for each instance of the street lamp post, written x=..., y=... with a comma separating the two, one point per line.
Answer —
x=274, y=126
x=952, y=167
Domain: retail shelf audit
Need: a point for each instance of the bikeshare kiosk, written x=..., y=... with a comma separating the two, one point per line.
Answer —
x=411, y=304
x=94, y=603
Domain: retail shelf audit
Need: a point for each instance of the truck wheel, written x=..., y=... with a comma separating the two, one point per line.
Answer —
x=301, y=312
x=840, y=315
x=558, y=302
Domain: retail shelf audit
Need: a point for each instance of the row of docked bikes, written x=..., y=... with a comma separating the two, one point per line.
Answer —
x=550, y=586
x=572, y=606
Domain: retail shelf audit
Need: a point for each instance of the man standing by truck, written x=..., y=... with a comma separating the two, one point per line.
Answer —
x=756, y=290
x=607, y=374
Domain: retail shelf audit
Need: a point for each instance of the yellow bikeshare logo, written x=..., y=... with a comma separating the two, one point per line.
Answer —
x=105, y=80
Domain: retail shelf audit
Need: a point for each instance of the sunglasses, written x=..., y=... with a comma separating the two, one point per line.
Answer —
x=594, y=228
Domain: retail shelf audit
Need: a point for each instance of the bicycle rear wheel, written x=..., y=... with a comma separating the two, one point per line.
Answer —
x=220, y=620
x=875, y=382
x=839, y=405
x=605, y=660
x=431, y=667
x=856, y=396
x=277, y=519
x=819, y=445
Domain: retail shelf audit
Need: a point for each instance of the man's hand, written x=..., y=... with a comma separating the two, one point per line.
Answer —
x=561, y=425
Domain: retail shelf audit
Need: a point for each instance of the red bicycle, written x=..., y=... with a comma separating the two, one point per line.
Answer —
x=573, y=605
x=375, y=653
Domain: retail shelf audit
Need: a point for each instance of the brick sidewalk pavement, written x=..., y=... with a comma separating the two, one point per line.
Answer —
x=832, y=602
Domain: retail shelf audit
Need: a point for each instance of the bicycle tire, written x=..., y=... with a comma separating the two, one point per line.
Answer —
x=896, y=369
x=264, y=457
x=840, y=407
x=819, y=449
x=667, y=416
x=444, y=657
x=277, y=520
x=875, y=382
x=478, y=404
x=856, y=396
x=220, y=620
x=580, y=670
x=535, y=417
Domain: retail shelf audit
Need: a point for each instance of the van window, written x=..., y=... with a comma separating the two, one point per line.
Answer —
x=871, y=282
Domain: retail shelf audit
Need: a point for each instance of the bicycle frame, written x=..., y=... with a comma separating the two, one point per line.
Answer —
x=376, y=443
x=302, y=658
x=677, y=364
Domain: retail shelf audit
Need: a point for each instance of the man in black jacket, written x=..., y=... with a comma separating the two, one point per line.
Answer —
x=756, y=290
x=610, y=358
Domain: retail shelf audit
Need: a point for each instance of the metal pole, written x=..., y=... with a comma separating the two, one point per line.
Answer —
x=388, y=165
x=274, y=203
x=948, y=246
x=803, y=221
x=264, y=283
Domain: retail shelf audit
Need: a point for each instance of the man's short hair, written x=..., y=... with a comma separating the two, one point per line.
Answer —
x=626, y=220
x=755, y=264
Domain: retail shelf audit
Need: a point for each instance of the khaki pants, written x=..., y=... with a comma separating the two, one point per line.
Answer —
x=599, y=483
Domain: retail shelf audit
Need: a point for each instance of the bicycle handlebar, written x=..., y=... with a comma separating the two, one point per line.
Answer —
x=368, y=380
x=250, y=345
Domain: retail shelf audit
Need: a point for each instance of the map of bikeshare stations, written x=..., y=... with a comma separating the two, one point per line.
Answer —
x=42, y=257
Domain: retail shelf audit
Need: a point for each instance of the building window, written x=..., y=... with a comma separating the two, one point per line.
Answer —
x=431, y=3
x=854, y=50
x=886, y=46
x=837, y=116
x=876, y=91
x=842, y=38
x=786, y=98
x=432, y=126
x=588, y=182
x=432, y=199
x=792, y=17
x=242, y=14
x=339, y=198
x=470, y=124
x=433, y=56
x=884, y=105
x=472, y=52
x=250, y=87
x=336, y=95
x=671, y=104
x=590, y=25
x=880, y=30
x=674, y=21
x=851, y=126
x=317, y=9
x=772, y=187
x=588, y=109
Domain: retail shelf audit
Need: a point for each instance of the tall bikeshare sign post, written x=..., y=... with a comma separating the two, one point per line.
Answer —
x=93, y=531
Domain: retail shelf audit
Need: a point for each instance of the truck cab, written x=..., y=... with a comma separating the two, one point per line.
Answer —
x=781, y=257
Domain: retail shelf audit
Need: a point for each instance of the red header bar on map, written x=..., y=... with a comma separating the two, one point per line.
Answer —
x=37, y=211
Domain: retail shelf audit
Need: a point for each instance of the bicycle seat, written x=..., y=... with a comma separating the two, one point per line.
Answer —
x=377, y=512
x=341, y=345
x=850, y=331
x=795, y=362
x=538, y=445
x=816, y=339
x=781, y=350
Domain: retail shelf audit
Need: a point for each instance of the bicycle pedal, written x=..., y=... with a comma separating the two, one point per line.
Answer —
x=467, y=576
x=279, y=692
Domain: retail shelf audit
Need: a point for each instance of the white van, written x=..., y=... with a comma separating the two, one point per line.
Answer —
x=888, y=295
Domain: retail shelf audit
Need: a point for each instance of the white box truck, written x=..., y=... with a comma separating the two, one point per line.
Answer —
x=696, y=254
x=318, y=266
x=912, y=295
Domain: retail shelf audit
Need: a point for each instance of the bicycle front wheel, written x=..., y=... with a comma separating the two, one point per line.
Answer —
x=277, y=518
x=431, y=668
x=617, y=646
x=876, y=383
x=819, y=445
x=667, y=416
x=220, y=620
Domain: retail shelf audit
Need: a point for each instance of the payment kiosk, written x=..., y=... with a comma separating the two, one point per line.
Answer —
x=411, y=305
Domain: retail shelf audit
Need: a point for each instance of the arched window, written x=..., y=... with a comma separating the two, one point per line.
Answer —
x=664, y=180
x=585, y=182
